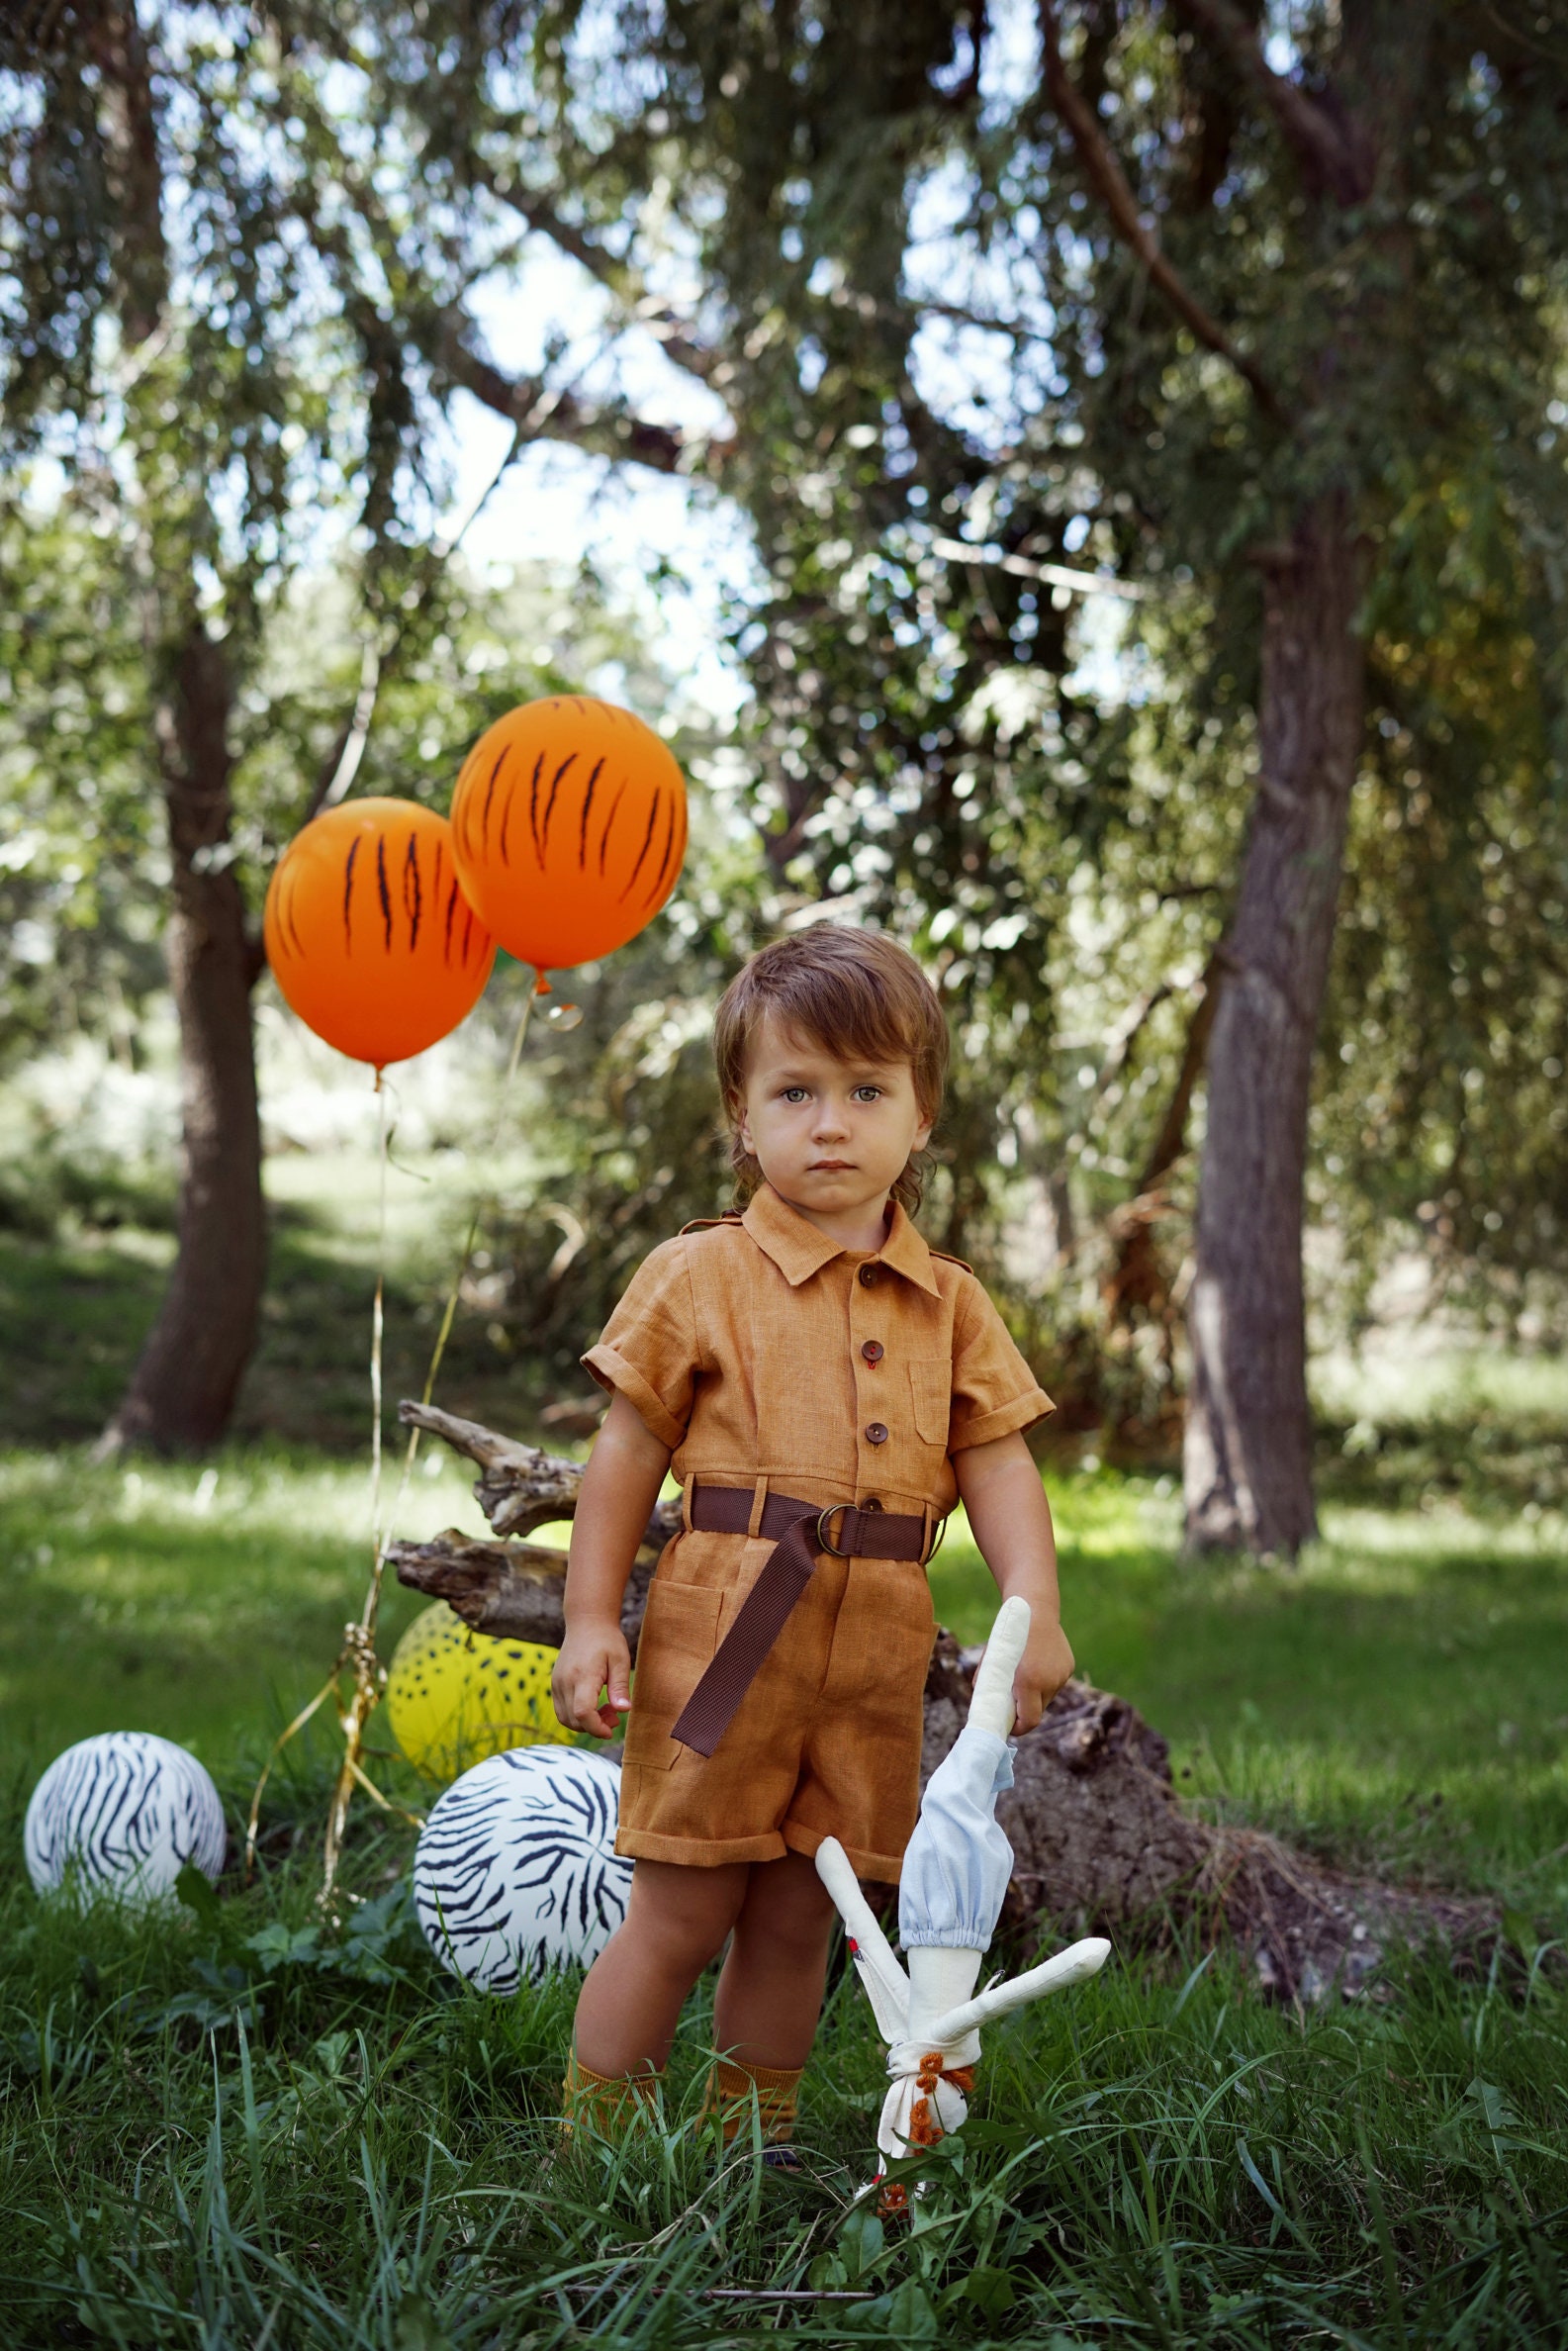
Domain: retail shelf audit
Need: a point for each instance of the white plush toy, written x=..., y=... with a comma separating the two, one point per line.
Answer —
x=950, y=1896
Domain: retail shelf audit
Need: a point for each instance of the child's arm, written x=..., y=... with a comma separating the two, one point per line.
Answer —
x=1010, y=1520
x=620, y=1486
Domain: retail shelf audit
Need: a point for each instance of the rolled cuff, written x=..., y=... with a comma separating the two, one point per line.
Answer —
x=881, y=1869
x=1021, y=1413
x=610, y=1369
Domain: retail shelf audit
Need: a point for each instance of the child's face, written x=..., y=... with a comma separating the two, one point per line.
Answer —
x=831, y=1136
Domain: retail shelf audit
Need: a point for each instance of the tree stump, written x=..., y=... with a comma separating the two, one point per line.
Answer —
x=1100, y=1840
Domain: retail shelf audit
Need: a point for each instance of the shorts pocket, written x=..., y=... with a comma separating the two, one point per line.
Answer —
x=680, y=1633
x=931, y=1387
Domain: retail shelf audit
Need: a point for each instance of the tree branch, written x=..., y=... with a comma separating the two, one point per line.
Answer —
x=141, y=261
x=1172, y=1140
x=540, y=414
x=1106, y=177
x=1330, y=154
x=669, y=327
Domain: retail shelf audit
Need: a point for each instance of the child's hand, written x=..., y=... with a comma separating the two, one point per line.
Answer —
x=1043, y=1668
x=594, y=1657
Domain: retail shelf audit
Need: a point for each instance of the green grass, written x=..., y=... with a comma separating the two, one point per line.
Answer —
x=204, y=2141
x=212, y=2137
x=202, y=1602
x=1399, y=1700
x=221, y=2127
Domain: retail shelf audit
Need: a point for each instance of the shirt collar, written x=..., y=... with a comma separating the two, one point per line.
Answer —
x=799, y=1249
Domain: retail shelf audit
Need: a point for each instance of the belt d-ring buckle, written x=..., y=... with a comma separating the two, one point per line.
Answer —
x=825, y=1540
x=941, y=1536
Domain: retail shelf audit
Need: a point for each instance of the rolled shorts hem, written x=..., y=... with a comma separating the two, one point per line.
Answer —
x=698, y=1852
x=884, y=1868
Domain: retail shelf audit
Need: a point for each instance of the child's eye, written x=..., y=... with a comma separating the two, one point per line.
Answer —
x=867, y=1094
x=794, y=1094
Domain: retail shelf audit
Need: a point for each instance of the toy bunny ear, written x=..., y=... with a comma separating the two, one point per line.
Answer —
x=992, y=1706
x=886, y=1985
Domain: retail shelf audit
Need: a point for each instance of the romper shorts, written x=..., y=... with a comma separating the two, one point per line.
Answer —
x=825, y=1742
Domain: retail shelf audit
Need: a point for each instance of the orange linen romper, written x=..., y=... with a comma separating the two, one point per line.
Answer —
x=766, y=1356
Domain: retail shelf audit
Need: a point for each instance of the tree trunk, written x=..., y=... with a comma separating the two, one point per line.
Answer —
x=183, y=1389
x=1248, y=1455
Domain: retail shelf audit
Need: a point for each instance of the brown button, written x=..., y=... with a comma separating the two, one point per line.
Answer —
x=871, y=1349
x=868, y=1276
x=871, y=1503
x=875, y=1433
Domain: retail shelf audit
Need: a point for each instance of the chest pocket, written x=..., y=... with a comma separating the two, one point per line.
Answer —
x=931, y=1390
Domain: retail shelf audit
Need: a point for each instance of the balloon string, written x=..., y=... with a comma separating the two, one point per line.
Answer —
x=377, y=1328
x=358, y=1654
x=476, y=1217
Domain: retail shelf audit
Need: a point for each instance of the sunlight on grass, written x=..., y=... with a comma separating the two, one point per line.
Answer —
x=205, y=1602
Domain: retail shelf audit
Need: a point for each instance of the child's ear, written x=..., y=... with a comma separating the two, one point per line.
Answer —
x=737, y=1118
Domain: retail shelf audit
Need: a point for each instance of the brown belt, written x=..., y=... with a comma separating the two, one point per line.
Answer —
x=798, y=1531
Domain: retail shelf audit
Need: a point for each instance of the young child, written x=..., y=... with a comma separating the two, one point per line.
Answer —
x=826, y=1389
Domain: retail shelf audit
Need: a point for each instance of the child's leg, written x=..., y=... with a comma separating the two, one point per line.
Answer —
x=768, y=1998
x=769, y=1994
x=631, y=1998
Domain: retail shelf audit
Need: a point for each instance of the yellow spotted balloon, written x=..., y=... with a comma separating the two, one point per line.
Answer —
x=455, y=1696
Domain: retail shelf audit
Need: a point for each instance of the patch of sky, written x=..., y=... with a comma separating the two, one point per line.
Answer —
x=557, y=502
x=1010, y=60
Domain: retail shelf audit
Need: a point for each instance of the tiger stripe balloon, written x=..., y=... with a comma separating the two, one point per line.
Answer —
x=570, y=826
x=368, y=931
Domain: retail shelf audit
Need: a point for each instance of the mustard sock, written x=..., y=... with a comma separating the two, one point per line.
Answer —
x=606, y=2104
x=729, y=2091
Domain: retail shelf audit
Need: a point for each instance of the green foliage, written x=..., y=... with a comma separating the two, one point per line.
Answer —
x=927, y=331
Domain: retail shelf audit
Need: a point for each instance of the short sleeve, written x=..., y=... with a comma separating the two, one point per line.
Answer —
x=649, y=1351
x=994, y=1391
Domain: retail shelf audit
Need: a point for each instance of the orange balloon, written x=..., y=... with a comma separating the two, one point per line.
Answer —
x=369, y=934
x=568, y=822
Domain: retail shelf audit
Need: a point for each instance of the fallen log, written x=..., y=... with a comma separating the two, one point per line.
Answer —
x=1100, y=1838
x=510, y=1591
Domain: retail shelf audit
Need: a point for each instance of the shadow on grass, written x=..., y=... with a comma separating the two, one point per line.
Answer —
x=77, y=1312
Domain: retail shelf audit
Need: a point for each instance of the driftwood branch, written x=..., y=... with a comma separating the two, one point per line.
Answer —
x=1099, y=1837
x=520, y=1486
x=514, y=1590
x=510, y=1591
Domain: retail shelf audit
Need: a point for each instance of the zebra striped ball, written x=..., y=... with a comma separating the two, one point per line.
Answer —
x=516, y=1872
x=121, y=1814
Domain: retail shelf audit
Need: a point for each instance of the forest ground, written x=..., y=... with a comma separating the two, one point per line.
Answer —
x=228, y=2130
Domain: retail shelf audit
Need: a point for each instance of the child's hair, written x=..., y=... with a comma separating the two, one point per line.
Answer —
x=857, y=995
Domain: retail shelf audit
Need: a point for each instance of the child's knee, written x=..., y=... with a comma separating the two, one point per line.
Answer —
x=682, y=1918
